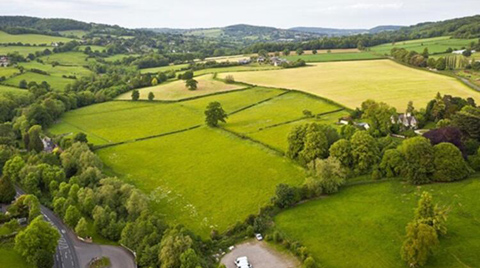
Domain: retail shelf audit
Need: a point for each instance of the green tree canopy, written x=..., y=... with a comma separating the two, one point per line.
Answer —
x=214, y=114
x=418, y=155
x=449, y=164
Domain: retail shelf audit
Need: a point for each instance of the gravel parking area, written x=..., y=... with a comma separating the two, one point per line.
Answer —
x=260, y=255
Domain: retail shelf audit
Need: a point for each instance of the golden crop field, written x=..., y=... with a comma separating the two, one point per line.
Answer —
x=176, y=90
x=350, y=83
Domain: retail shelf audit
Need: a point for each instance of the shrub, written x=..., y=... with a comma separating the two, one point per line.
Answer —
x=229, y=79
x=449, y=163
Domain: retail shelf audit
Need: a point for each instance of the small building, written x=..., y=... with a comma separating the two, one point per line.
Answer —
x=55, y=44
x=4, y=61
x=407, y=120
x=460, y=52
x=48, y=145
x=276, y=61
x=261, y=59
x=364, y=125
x=244, y=61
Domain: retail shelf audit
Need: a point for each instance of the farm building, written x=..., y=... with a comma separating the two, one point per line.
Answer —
x=48, y=144
x=460, y=52
x=244, y=61
x=276, y=61
x=4, y=62
x=406, y=119
x=366, y=126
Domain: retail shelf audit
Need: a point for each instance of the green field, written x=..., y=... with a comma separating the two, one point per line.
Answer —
x=76, y=33
x=12, y=90
x=8, y=71
x=351, y=83
x=205, y=179
x=32, y=39
x=24, y=51
x=55, y=82
x=57, y=70
x=10, y=258
x=185, y=173
x=120, y=57
x=177, y=90
x=434, y=45
x=324, y=57
x=363, y=226
x=94, y=48
x=67, y=58
x=122, y=121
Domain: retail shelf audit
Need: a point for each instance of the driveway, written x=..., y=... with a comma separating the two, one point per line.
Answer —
x=260, y=255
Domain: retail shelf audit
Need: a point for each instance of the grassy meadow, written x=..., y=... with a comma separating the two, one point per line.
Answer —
x=67, y=58
x=8, y=71
x=32, y=39
x=56, y=82
x=363, y=226
x=10, y=258
x=22, y=50
x=119, y=121
x=76, y=33
x=325, y=57
x=351, y=83
x=12, y=90
x=177, y=90
x=435, y=45
x=58, y=70
x=163, y=68
x=204, y=178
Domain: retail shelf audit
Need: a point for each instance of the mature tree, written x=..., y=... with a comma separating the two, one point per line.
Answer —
x=151, y=96
x=296, y=139
x=173, y=244
x=136, y=204
x=378, y=114
x=191, y=84
x=80, y=137
x=468, y=120
x=263, y=53
x=449, y=164
x=154, y=81
x=438, y=108
x=329, y=173
x=342, y=151
x=286, y=52
x=418, y=155
x=37, y=243
x=6, y=152
x=314, y=51
x=365, y=153
x=186, y=76
x=420, y=242
x=315, y=145
x=425, y=53
x=285, y=196
x=189, y=259
x=82, y=228
x=431, y=63
x=135, y=95
x=392, y=163
x=441, y=64
x=72, y=216
x=7, y=191
x=215, y=114
x=23, y=84
x=429, y=213
x=299, y=51
x=34, y=140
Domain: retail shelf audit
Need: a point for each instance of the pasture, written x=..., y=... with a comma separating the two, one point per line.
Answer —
x=351, y=83
x=163, y=69
x=324, y=57
x=67, y=58
x=119, y=57
x=74, y=33
x=32, y=39
x=55, y=82
x=57, y=70
x=435, y=45
x=12, y=90
x=363, y=226
x=8, y=71
x=177, y=90
x=120, y=121
x=203, y=178
x=92, y=47
x=22, y=50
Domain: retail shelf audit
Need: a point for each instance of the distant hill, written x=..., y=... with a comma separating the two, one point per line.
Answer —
x=343, y=32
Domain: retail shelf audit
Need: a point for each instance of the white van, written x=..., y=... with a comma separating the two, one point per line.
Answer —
x=242, y=262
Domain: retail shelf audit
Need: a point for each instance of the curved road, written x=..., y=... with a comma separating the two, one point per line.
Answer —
x=74, y=253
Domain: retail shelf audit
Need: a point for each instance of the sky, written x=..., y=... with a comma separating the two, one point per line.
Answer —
x=351, y=14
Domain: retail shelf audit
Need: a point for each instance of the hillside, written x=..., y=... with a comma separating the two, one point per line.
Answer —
x=342, y=32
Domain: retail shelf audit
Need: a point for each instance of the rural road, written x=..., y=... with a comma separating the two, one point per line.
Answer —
x=260, y=255
x=73, y=253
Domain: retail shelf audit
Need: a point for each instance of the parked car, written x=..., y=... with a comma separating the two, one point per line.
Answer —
x=259, y=237
x=242, y=262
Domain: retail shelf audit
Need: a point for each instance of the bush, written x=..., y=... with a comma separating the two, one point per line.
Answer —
x=229, y=79
x=309, y=263
x=449, y=163
x=250, y=232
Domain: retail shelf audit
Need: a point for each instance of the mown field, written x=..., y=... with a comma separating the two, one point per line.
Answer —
x=434, y=45
x=351, y=83
x=193, y=176
x=324, y=57
x=364, y=226
x=56, y=82
x=32, y=39
x=22, y=50
x=177, y=90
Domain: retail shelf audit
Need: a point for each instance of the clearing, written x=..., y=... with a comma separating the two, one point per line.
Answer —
x=363, y=226
x=351, y=83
